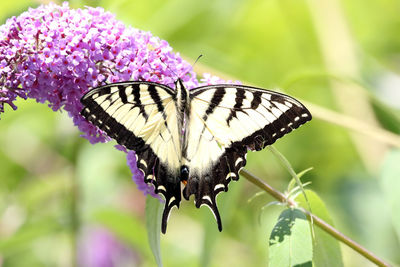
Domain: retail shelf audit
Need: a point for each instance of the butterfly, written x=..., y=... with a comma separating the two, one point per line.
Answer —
x=196, y=139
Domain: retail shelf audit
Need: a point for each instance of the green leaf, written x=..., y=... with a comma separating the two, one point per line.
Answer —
x=293, y=181
x=390, y=182
x=385, y=115
x=154, y=210
x=290, y=243
x=326, y=249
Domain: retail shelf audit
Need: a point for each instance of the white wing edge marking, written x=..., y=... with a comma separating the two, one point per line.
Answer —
x=218, y=186
x=172, y=199
x=229, y=175
x=161, y=188
x=169, y=213
x=143, y=162
x=238, y=161
x=207, y=198
x=287, y=103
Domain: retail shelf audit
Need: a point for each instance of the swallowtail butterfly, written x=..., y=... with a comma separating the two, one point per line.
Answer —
x=196, y=139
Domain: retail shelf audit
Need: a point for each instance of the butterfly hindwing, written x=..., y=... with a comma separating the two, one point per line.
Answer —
x=142, y=117
x=165, y=181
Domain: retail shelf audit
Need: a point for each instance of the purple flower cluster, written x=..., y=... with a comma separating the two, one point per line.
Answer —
x=55, y=54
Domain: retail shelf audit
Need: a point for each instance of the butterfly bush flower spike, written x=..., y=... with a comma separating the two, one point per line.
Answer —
x=55, y=54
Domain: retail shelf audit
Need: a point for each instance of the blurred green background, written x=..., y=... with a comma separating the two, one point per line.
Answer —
x=62, y=198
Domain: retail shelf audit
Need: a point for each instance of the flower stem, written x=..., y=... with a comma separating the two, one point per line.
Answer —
x=316, y=220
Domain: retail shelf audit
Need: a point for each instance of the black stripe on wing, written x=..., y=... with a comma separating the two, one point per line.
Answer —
x=238, y=104
x=214, y=102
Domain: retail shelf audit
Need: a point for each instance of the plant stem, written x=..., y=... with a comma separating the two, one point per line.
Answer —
x=316, y=220
x=289, y=167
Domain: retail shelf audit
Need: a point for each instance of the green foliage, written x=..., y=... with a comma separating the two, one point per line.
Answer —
x=290, y=243
x=54, y=185
x=390, y=183
x=326, y=249
x=154, y=210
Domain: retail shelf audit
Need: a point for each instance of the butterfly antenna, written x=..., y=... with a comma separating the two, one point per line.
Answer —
x=196, y=60
x=173, y=71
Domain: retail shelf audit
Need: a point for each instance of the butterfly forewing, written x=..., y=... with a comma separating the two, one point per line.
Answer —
x=248, y=110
